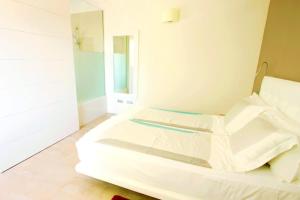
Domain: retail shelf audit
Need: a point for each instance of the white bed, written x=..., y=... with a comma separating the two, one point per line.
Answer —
x=181, y=175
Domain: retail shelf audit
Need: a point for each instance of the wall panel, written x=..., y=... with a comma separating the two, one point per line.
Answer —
x=37, y=85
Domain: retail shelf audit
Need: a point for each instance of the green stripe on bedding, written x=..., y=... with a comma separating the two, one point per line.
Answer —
x=177, y=111
x=146, y=123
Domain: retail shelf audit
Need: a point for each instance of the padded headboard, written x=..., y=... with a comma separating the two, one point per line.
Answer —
x=283, y=94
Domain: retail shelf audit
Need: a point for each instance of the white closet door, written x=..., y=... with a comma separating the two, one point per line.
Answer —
x=37, y=87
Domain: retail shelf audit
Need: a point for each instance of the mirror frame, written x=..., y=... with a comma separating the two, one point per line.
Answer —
x=135, y=65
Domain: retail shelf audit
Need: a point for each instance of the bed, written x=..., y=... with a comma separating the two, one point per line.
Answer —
x=173, y=163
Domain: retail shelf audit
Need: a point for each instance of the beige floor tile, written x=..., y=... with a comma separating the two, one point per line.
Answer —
x=50, y=175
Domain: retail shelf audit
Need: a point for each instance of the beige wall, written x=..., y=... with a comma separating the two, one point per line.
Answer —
x=281, y=44
x=37, y=85
x=205, y=62
x=90, y=26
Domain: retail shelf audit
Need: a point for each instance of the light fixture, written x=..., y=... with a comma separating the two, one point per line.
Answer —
x=266, y=65
x=170, y=15
x=76, y=37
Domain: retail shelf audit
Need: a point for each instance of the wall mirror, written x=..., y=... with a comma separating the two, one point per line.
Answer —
x=124, y=64
x=122, y=70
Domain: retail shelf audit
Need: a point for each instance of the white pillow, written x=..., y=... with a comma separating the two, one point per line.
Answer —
x=257, y=143
x=257, y=100
x=242, y=113
x=281, y=120
x=287, y=165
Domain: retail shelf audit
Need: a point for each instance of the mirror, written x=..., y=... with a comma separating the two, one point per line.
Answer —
x=122, y=70
x=123, y=64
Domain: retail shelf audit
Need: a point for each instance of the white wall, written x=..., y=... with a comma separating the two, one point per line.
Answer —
x=37, y=87
x=205, y=62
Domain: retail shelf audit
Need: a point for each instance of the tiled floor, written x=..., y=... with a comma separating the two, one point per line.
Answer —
x=51, y=175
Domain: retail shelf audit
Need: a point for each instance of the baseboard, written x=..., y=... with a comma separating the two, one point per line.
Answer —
x=90, y=110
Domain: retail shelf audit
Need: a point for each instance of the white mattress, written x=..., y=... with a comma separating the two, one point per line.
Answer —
x=166, y=178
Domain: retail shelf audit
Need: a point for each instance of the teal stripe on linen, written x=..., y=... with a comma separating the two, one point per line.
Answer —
x=177, y=111
x=146, y=123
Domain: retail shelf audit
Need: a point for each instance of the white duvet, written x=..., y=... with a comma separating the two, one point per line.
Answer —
x=170, y=179
x=192, y=144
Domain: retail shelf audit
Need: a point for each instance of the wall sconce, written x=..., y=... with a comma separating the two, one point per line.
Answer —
x=170, y=15
x=266, y=65
x=83, y=43
x=76, y=37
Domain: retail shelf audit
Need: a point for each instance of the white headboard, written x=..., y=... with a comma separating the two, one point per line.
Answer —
x=283, y=94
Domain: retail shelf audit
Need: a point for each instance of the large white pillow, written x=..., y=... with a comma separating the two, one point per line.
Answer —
x=274, y=115
x=287, y=165
x=243, y=112
x=257, y=100
x=281, y=120
x=258, y=142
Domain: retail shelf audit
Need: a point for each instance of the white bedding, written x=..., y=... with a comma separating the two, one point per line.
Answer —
x=167, y=178
x=188, y=120
x=196, y=145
